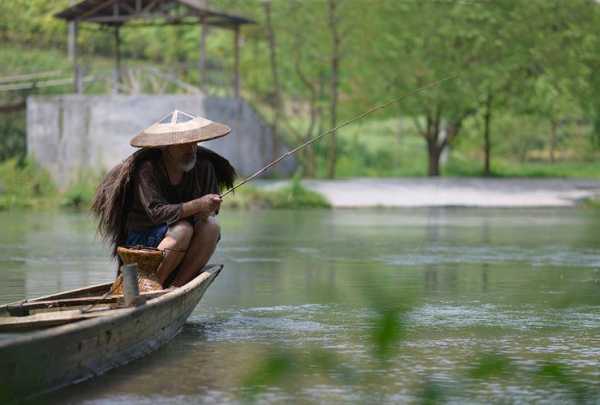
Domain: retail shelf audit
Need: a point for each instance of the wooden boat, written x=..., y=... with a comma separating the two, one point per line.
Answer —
x=52, y=341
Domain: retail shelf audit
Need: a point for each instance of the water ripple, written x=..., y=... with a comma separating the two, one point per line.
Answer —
x=463, y=254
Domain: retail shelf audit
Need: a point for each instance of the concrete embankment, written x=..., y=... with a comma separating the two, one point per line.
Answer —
x=449, y=192
x=76, y=135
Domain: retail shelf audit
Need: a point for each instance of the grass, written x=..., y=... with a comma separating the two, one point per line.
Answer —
x=26, y=185
x=593, y=203
x=392, y=148
x=558, y=169
x=79, y=194
x=464, y=166
x=293, y=196
x=23, y=184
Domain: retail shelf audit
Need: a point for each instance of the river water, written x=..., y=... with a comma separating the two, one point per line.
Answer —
x=519, y=288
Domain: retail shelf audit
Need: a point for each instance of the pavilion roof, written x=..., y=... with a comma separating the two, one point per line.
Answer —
x=164, y=12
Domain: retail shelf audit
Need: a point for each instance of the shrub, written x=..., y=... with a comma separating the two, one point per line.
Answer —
x=24, y=184
x=296, y=196
x=79, y=195
x=293, y=196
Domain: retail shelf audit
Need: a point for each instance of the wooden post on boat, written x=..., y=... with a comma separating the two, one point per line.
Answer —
x=56, y=347
x=131, y=291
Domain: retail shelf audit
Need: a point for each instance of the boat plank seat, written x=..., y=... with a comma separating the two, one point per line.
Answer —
x=46, y=319
x=89, y=291
x=22, y=308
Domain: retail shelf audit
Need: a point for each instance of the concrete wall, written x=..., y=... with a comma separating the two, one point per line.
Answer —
x=74, y=134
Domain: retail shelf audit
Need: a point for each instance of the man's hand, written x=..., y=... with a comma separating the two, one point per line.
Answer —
x=210, y=203
x=203, y=206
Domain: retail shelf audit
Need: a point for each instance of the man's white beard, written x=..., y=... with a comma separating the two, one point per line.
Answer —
x=188, y=165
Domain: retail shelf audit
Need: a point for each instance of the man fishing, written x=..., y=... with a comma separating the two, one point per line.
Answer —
x=166, y=195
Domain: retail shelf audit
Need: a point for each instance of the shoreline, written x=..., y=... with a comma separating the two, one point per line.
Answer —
x=448, y=192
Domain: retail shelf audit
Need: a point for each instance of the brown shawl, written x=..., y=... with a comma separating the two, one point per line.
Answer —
x=114, y=194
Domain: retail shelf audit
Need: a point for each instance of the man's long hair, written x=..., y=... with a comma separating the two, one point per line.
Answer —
x=114, y=195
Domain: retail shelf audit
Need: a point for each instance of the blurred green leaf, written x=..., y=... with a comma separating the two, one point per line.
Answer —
x=491, y=365
x=431, y=393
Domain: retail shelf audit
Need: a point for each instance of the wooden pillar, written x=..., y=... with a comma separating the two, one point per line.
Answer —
x=71, y=38
x=117, y=70
x=236, y=63
x=77, y=82
x=202, y=60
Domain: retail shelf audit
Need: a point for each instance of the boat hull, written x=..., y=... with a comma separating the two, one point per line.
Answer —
x=46, y=360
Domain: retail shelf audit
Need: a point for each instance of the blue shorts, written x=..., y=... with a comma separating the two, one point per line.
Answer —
x=149, y=237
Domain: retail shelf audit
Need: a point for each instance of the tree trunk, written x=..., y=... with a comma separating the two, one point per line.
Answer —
x=434, y=152
x=118, y=80
x=335, y=65
x=309, y=153
x=276, y=102
x=553, y=130
x=438, y=135
x=309, y=159
x=315, y=112
x=399, y=131
x=318, y=120
x=487, y=144
x=202, y=77
x=596, y=131
x=13, y=107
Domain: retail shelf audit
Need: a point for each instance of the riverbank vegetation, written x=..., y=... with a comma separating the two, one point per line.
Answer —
x=522, y=95
x=23, y=184
x=292, y=196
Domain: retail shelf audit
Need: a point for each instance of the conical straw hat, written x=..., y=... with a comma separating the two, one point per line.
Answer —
x=177, y=128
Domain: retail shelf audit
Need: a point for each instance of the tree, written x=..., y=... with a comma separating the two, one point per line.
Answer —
x=561, y=43
x=277, y=102
x=423, y=42
x=334, y=17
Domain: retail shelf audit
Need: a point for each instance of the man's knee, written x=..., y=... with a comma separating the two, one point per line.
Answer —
x=209, y=227
x=182, y=231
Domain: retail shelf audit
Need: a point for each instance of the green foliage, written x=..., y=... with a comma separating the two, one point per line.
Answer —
x=491, y=365
x=557, y=373
x=388, y=330
x=431, y=393
x=296, y=196
x=593, y=203
x=274, y=369
x=29, y=22
x=79, y=195
x=12, y=137
x=287, y=368
x=283, y=367
x=19, y=60
x=292, y=196
x=539, y=61
x=24, y=185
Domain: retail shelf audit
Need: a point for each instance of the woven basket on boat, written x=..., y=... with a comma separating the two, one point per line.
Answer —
x=148, y=260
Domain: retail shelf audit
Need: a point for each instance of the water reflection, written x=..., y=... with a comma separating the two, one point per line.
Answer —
x=524, y=282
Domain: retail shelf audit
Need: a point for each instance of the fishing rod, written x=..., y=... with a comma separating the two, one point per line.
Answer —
x=350, y=121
